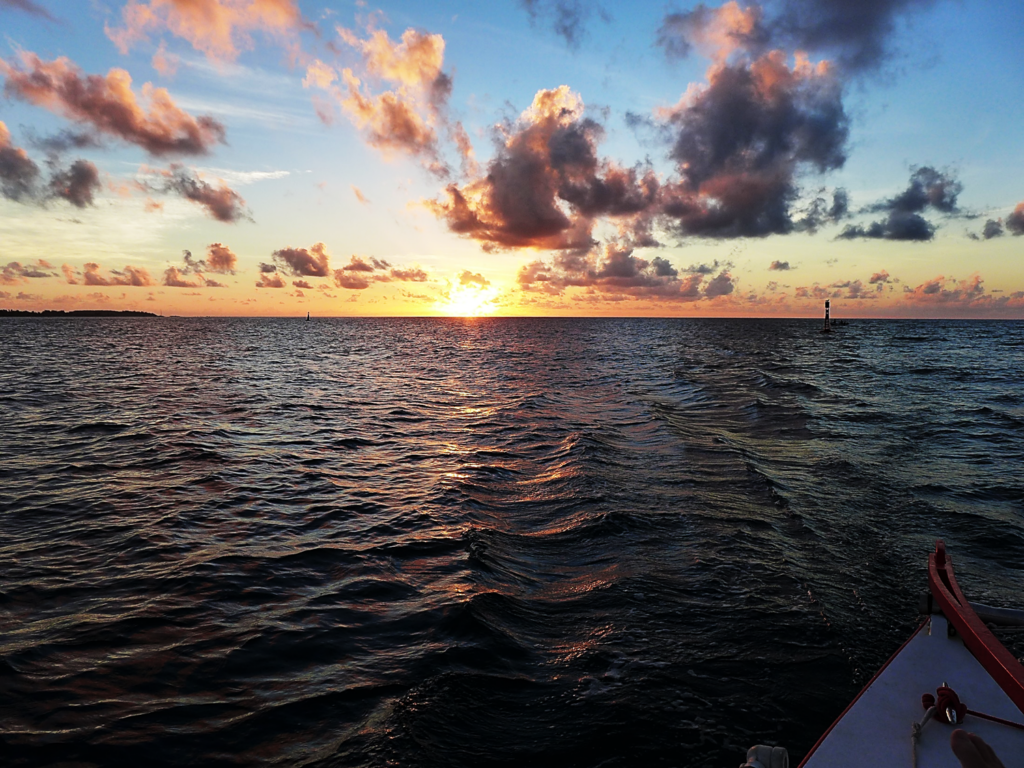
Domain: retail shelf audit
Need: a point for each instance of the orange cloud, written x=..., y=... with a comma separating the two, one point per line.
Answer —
x=217, y=28
x=92, y=275
x=109, y=106
x=410, y=117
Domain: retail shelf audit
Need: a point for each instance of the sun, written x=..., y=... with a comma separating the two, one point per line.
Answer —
x=468, y=301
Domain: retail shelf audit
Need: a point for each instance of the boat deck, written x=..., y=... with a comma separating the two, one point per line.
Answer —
x=876, y=729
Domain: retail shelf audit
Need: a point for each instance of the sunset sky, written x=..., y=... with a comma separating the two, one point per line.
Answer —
x=528, y=157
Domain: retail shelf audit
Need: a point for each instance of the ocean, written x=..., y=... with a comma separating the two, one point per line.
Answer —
x=482, y=542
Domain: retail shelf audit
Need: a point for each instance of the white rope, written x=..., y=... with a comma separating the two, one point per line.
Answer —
x=916, y=733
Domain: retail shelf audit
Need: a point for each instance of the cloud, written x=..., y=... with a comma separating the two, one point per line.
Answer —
x=221, y=202
x=411, y=117
x=28, y=6
x=880, y=279
x=269, y=279
x=16, y=272
x=408, y=275
x=707, y=269
x=720, y=285
x=108, y=105
x=359, y=195
x=92, y=275
x=741, y=141
x=217, y=28
x=856, y=35
x=18, y=172
x=819, y=212
x=992, y=228
x=19, y=177
x=473, y=278
x=219, y=259
x=1015, y=221
x=617, y=273
x=928, y=189
x=568, y=17
x=546, y=185
x=302, y=284
x=779, y=266
x=360, y=272
x=714, y=32
x=314, y=262
x=77, y=184
x=943, y=290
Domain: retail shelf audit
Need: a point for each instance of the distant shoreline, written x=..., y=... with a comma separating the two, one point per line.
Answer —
x=76, y=313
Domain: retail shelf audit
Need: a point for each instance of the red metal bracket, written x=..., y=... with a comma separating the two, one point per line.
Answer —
x=980, y=641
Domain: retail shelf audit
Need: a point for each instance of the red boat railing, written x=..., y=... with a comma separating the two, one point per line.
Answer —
x=978, y=638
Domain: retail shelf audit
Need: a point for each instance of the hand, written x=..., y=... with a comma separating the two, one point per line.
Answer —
x=972, y=751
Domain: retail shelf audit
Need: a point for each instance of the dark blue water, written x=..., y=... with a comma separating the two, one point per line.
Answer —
x=482, y=542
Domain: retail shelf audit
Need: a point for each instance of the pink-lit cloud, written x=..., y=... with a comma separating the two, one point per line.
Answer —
x=218, y=28
x=546, y=184
x=108, y=106
x=15, y=272
x=92, y=274
x=410, y=115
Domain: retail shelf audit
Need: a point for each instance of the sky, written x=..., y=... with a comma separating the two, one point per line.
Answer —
x=528, y=157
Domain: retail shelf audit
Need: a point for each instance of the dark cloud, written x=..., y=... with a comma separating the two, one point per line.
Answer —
x=18, y=172
x=15, y=272
x=741, y=142
x=991, y=229
x=64, y=141
x=707, y=269
x=20, y=177
x=928, y=189
x=616, y=273
x=568, y=17
x=108, y=105
x=855, y=34
x=546, y=185
x=302, y=284
x=1015, y=221
x=820, y=213
x=720, y=285
x=779, y=266
x=222, y=202
x=300, y=262
x=28, y=6
x=77, y=184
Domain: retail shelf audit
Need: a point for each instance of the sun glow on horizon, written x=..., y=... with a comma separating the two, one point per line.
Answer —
x=468, y=300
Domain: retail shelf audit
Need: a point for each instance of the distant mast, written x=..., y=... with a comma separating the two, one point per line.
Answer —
x=827, y=328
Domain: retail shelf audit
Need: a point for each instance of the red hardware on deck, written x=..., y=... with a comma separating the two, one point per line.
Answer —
x=980, y=641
